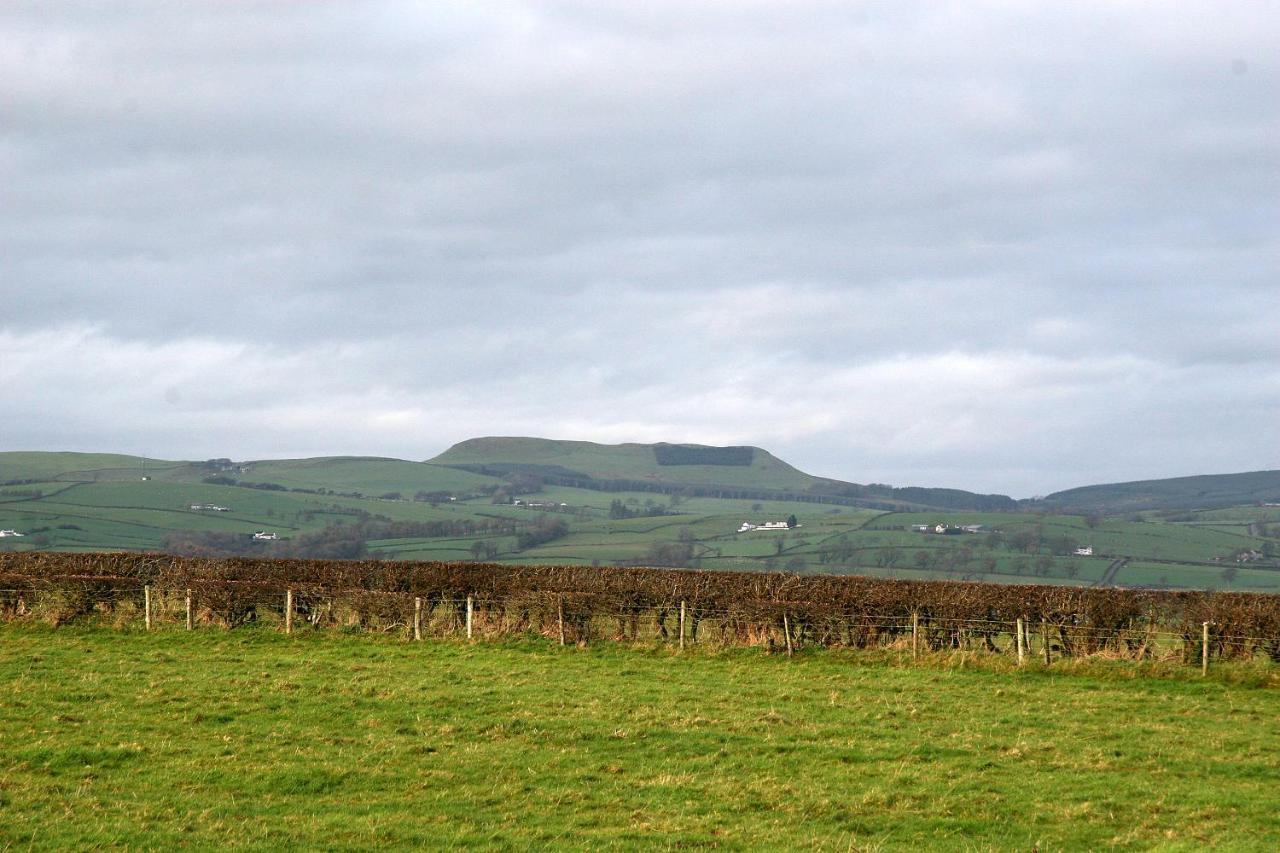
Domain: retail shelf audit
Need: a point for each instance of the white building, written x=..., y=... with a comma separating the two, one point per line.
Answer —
x=1086, y=551
x=263, y=535
x=768, y=525
x=7, y=533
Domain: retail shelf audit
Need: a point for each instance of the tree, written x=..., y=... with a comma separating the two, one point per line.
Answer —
x=792, y=521
x=1229, y=575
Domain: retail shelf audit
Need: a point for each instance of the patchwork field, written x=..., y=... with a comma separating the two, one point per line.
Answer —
x=250, y=738
x=400, y=510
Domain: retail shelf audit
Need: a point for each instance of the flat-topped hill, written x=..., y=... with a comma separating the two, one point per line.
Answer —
x=652, y=463
x=696, y=468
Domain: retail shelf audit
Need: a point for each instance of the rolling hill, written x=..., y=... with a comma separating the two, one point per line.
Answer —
x=691, y=469
x=523, y=500
x=1200, y=492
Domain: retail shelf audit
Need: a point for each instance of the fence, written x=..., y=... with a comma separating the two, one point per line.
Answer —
x=563, y=617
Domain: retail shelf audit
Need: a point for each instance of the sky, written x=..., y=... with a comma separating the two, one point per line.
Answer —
x=1003, y=246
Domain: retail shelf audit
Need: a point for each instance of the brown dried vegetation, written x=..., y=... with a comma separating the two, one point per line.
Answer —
x=738, y=607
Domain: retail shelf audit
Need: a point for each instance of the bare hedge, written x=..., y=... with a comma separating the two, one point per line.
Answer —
x=824, y=609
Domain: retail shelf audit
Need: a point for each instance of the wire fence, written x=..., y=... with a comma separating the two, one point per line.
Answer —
x=572, y=616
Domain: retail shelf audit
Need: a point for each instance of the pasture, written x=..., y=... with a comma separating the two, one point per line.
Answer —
x=63, y=503
x=251, y=738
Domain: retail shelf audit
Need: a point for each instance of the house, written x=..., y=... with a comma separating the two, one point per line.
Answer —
x=263, y=535
x=941, y=528
x=7, y=533
x=1086, y=551
x=768, y=525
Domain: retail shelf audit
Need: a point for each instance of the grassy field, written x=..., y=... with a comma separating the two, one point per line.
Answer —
x=254, y=739
x=71, y=506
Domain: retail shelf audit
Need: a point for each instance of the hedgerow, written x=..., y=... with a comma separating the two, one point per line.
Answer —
x=741, y=607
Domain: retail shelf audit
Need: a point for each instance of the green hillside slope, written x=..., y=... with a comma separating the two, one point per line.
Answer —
x=345, y=507
x=651, y=463
x=368, y=475
x=693, y=469
x=1201, y=492
x=44, y=466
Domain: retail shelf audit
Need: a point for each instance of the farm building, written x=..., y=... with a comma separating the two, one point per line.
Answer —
x=768, y=525
x=263, y=535
x=4, y=534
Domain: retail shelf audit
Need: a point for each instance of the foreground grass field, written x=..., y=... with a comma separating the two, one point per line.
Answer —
x=255, y=739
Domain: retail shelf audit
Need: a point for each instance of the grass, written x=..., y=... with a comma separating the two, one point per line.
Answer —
x=254, y=739
x=111, y=508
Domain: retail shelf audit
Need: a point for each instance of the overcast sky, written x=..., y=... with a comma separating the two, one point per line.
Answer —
x=1008, y=246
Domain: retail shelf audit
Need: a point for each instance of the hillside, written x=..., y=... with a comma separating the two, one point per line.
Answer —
x=590, y=504
x=692, y=469
x=666, y=464
x=1200, y=492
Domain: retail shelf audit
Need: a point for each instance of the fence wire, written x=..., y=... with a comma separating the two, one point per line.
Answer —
x=577, y=613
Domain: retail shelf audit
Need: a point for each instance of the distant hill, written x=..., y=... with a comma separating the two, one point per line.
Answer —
x=1200, y=492
x=741, y=472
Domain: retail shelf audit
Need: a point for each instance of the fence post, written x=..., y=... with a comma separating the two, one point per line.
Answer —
x=470, y=611
x=560, y=617
x=786, y=632
x=915, y=634
x=1204, y=650
x=1044, y=638
x=417, y=618
x=288, y=611
x=191, y=616
x=146, y=604
x=1020, y=638
x=682, y=624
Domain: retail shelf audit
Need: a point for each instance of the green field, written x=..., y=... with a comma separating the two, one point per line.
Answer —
x=255, y=739
x=62, y=502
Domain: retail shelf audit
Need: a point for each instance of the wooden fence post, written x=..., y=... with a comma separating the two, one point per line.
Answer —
x=417, y=618
x=786, y=632
x=682, y=624
x=191, y=615
x=915, y=634
x=560, y=617
x=1044, y=638
x=1020, y=638
x=470, y=611
x=288, y=611
x=146, y=605
x=1204, y=650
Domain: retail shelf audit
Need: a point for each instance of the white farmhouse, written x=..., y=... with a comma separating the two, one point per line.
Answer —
x=4, y=534
x=263, y=535
x=1086, y=551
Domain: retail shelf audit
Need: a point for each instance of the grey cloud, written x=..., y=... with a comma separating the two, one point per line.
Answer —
x=619, y=222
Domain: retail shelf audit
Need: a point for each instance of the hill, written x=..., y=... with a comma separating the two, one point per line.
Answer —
x=1200, y=492
x=548, y=502
x=691, y=469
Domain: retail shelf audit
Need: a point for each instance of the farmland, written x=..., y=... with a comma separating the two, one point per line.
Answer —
x=253, y=738
x=403, y=510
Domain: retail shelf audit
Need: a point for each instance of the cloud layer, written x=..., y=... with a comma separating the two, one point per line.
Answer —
x=1014, y=247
